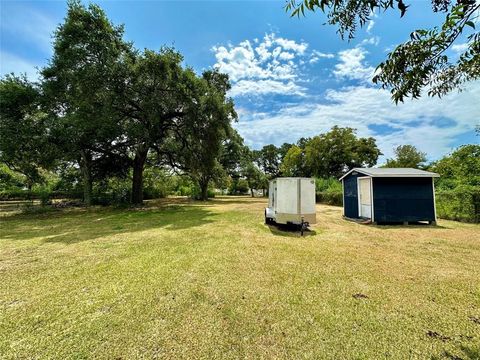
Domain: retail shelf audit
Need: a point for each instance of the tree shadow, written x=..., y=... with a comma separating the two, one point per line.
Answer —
x=465, y=353
x=288, y=230
x=76, y=225
x=239, y=200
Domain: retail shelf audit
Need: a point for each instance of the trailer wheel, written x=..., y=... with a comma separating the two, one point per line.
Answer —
x=267, y=220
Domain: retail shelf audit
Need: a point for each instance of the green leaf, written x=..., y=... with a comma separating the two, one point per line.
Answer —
x=471, y=24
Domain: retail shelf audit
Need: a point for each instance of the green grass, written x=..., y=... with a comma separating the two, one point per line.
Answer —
x=182, y=279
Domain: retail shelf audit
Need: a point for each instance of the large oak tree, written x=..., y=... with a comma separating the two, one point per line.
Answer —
x=78, y=92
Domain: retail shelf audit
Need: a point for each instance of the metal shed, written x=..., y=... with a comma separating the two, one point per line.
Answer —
x=386, y=195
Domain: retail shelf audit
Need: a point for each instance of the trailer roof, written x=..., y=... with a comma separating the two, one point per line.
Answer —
x=392, y=172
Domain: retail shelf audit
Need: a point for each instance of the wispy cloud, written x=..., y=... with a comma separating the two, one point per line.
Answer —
x=460, y=48
x=370, y=26
x=12, y=63
x=317, y=55
x=29, y=26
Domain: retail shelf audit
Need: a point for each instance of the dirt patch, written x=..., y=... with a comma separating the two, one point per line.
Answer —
x=359, y=296
x=436, y=335
x=475, y=319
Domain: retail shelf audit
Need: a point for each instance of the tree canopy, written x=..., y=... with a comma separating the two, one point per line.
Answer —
x=24, y=138
x=77, y=85
x=407, y=156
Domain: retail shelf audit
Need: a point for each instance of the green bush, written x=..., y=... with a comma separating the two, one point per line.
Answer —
x=329, y=191
x=14, y=194
x=330, y=184
x=330, y=197
x=461, y=203
x=238, y=187
x=44, y=194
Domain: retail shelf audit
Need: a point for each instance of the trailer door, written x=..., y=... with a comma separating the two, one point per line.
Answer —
x=307, y=196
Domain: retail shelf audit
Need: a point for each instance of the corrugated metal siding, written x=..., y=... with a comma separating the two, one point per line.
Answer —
x=350, y=196
x=403, y=199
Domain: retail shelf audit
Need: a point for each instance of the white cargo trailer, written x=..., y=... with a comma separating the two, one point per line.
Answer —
x=291, y=200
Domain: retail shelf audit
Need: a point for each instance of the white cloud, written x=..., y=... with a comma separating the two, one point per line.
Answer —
x=417, y=122
x=352, y=66
x=317, y=55
x=11, y=63
x=262, y=66
x=374, y=40
x=460, y=48
x=286, y=56
x=292, y=45
x=371, y=22
x=263, y=87
x=370, y=26
x=322, y=55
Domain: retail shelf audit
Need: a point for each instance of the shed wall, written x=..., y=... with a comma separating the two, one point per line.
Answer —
x=403, y=199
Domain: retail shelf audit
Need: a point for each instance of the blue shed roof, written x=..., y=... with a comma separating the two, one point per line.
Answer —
x=392, y=172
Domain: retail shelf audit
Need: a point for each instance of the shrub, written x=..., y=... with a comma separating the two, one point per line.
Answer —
x=14, y=194
x=330, y=197
x=461, y=203
x=44, y=195
x=329, y=191
x=331, y=184
x=239, y=187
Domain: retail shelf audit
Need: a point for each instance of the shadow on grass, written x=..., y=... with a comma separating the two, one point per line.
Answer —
x=289, y=230
x=465, y=353
x=78, y=225
x=411, y=225
x=239, y=200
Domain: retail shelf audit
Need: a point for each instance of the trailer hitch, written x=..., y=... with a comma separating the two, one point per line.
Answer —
x=303, y=226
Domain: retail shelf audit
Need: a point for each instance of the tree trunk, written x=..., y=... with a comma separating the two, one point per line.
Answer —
x=86, y=169
x=203, y=190
x=251, y=191
x=138, y=167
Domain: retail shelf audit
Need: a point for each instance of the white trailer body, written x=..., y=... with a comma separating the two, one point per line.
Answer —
x=290, y=199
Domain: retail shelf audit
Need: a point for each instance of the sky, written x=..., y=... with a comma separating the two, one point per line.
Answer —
x=291, y=77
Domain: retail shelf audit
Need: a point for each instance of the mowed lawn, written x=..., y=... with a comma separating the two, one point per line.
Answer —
x=180, y=279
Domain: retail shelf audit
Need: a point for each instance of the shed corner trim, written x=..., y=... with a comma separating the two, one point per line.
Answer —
x=352, y=170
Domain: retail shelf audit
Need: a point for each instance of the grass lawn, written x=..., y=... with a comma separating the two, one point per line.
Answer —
x=181, y=279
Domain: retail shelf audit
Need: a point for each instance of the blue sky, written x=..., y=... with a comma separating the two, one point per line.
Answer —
x=291, y=77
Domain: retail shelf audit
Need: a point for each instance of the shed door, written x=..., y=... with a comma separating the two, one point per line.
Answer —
x=365, y=198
